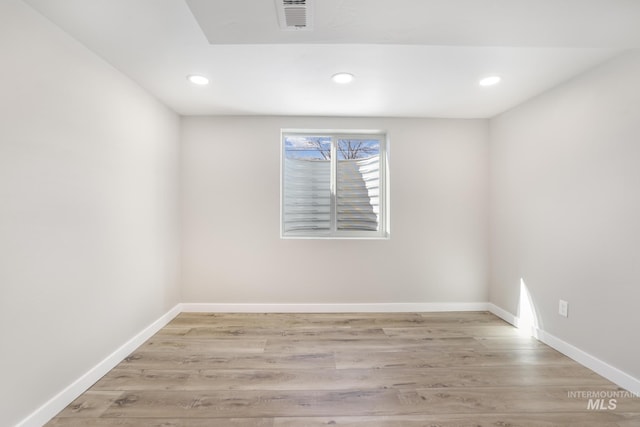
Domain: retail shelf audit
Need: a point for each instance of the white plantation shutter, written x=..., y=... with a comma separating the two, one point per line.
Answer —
x=330, y=189
x=307, y=195
x=358, y=194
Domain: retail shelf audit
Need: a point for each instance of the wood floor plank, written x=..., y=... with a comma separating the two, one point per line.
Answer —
x=295, y=333
x=509, y=343
x=211, y=345
x=91, y=404
x=567, y=419
x=144, y=359
x=252, y=403
x=462, y=317
x=162, y=422
x=448, y=359
x=316, y=320
x=285, y=345
x=347, y=379
x=506, y=399
x=453, y=331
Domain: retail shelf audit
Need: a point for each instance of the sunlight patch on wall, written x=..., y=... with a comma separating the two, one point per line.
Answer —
x=527, y=317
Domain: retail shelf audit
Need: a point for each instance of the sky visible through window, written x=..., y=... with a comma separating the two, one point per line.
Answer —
x=319, y=147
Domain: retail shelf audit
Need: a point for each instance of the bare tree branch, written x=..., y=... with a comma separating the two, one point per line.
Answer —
x=324, y=152
x=347, y=149
x=355, y=149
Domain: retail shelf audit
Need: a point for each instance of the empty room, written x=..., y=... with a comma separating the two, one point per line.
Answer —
x=305, y=213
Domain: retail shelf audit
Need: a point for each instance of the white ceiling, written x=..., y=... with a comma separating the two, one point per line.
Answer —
x=411, y=58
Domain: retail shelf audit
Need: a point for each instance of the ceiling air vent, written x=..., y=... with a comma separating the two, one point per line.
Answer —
x=295, y=14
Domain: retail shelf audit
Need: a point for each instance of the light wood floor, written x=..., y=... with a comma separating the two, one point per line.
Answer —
x=311, y=370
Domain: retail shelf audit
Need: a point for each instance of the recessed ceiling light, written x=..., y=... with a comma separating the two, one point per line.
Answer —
x=342, y=78
x=198, y=80
x=489, y=81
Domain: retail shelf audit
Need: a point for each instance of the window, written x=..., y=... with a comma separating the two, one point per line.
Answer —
x=334, y=185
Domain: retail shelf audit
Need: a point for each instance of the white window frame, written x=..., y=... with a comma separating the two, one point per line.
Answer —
x=334, y=233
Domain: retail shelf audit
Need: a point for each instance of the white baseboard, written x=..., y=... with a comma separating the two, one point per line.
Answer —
x=57, y=403
x=334, y=308
x=611, y=373
x=503, y=314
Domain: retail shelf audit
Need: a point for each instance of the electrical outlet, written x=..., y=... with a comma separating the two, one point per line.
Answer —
x=563, y=308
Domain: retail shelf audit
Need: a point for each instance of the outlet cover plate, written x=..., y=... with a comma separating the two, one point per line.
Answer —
x=563, y=308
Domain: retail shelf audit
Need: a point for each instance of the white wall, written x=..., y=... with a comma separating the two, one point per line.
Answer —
x=232, y=253
x=565, y=201
x=88, y=203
